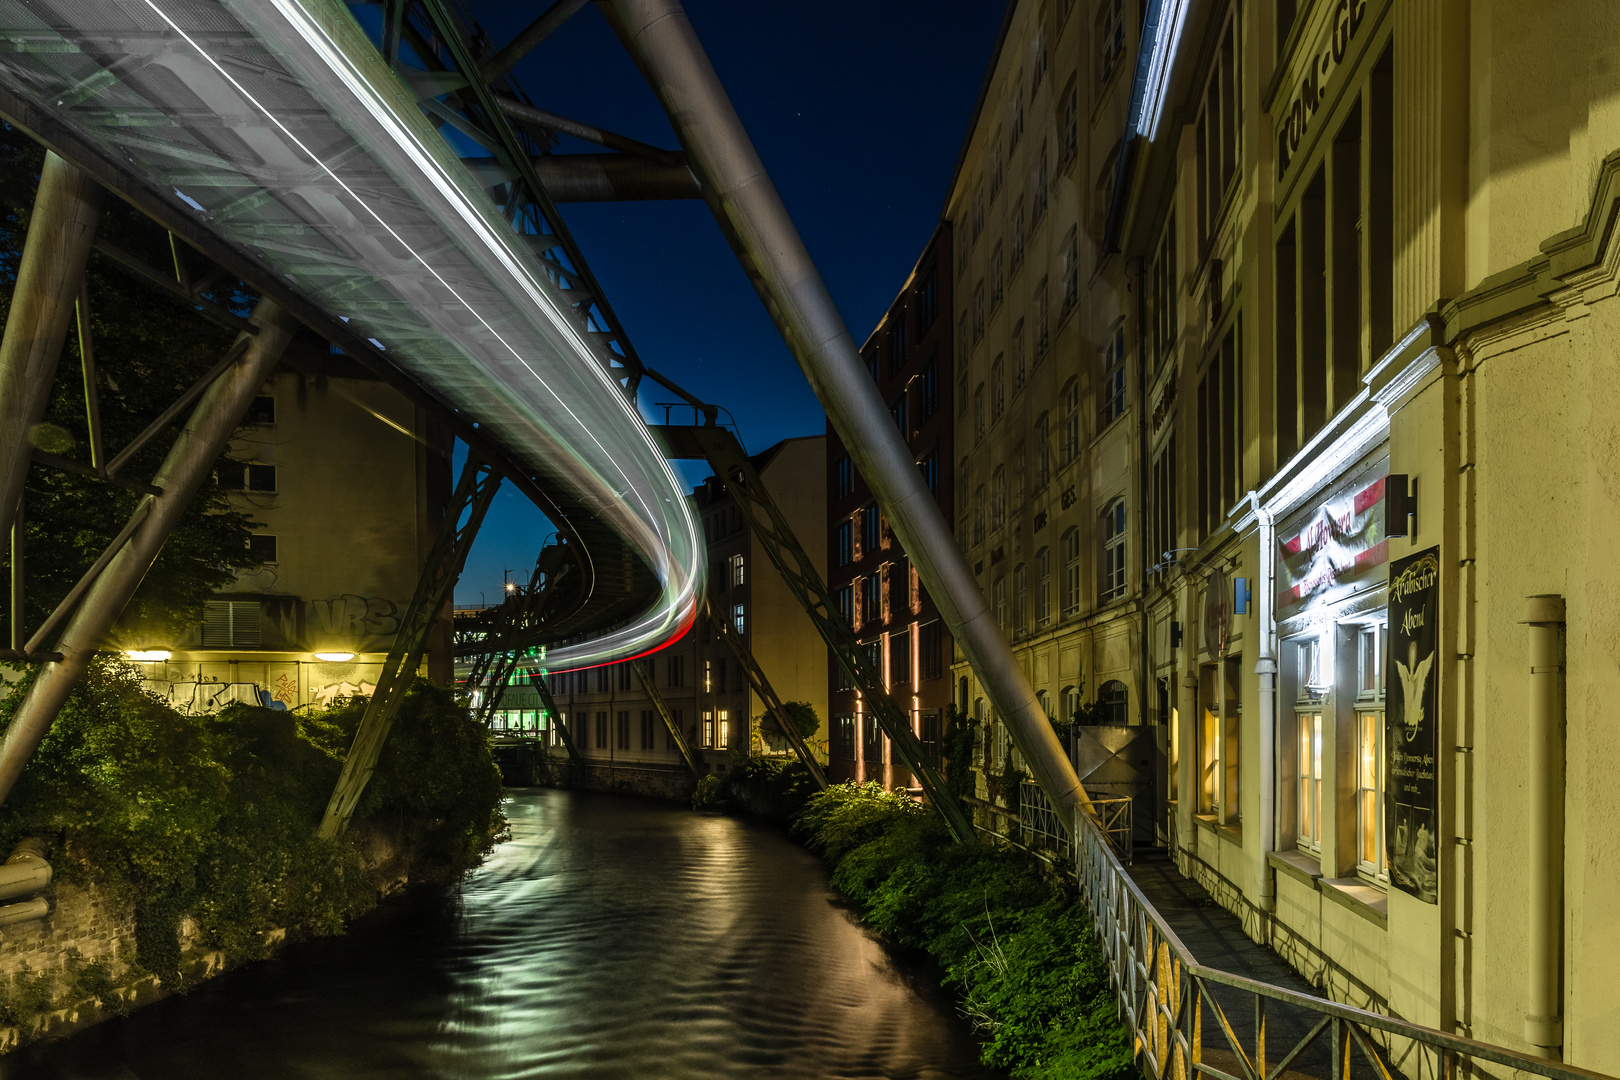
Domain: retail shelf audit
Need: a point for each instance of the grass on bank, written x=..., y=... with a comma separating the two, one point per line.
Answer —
x=213, y=817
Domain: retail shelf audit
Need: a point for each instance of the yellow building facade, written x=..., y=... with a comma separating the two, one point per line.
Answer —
x=1304, y=310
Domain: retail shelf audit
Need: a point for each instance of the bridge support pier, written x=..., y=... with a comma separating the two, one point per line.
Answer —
x=660, y=38
x=67, y=208
x=190, y=460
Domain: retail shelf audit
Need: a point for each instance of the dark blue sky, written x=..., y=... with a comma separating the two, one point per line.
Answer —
x=858, y=110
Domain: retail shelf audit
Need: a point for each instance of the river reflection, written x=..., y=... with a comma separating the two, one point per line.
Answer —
x=608, y=938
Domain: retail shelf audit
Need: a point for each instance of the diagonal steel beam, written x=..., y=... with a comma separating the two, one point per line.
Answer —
x=746, y=205
x=474, y=492
x=644, y=676
x=189, y=463
x=530, y=36
x=549, y=703
x=67, y=208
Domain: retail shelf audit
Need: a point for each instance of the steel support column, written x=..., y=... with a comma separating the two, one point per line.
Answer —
x=745, y=203
x=189, y=462
x=67, y=207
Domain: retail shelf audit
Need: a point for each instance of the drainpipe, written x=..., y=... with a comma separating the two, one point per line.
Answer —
x=745, y=204
x=1266, y=667
x=1543, y=1021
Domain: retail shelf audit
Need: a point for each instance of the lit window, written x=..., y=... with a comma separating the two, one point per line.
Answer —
x=737, y=570
x=1370, y=793
x=1310, y=780
x=737, y=617
x=725, y=730
x=708, y=729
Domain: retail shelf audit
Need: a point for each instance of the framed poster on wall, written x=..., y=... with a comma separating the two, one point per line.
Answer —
x=1412, y=794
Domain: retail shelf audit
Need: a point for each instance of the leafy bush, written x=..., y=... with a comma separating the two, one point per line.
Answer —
x=215, y=816
x=708, y=791
x=1016, y=946
x=772, y=788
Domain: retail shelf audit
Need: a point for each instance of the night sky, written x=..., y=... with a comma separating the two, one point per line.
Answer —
x=858, y=110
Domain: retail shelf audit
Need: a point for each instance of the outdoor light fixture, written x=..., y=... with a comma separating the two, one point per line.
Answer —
x=334, y=657
x=148, y=656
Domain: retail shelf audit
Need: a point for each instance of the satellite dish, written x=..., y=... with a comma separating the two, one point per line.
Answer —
x=1217, y=615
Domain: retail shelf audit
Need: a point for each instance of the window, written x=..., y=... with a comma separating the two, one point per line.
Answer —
x=995, y=166
x=1113, y=703
x=978, y=514
x=237, y=476
x=843, y=477
x=899, y=573
x=1016, y=112
x=1043, y=451
x=998, y=389
x=708, y=676
x=1110, y=38
x=1016, y=227
x=1042, y=327
x=720, y=675
x=930, y=649
x=1113, y=377
x=1044, y=700
x=1113, y=552
x=1162, y=293
x=1219, y=418
x=669, y=732
x=1038, y=194
x=999, y=595
x=978, y=311
x=262, y=546
x=725, y=730
x=845, y=726
x=962, y=341
x=978, y=211
x=928, y=390
x=1162, y=487
x=1071, y=572
x=601, y=731
x=927, y=307
x=844, y=542
x=871, y=364
x=897, y=412
x=1071, y=270
x=1216, y=132
x=998, y=498
x=737, y=568
x=624, y=676
x=1071, y=703
x=231, y=624
x=646, y=729
x=1310, y=779
x=871, y=530
x=676, y=667
x=1371, y=643
x=930, y=472
x=1071, y=123
x=738, y=617
x=261, y=412
x=602, y=680
x=897, y=343
x=900, y=658
x=1043, y=588
x=998, y=279
x=1071, y=421
x=1020, y=612
x=871, y=600
x=978, y=414
x=708, y=729
x=1038, y=53
x=846, y=603
x=1020, y=477
x=1018, y=361
x=873, y=751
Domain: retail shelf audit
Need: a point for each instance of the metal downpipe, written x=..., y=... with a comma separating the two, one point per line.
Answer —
x=745, y=202
x=1266, y=668
x=1544, y=928
x=205, y=437
x=67, y=208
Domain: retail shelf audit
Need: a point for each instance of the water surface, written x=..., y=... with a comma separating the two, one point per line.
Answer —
x=609, y=937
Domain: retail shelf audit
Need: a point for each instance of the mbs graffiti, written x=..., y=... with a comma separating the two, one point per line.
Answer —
x=349, y=622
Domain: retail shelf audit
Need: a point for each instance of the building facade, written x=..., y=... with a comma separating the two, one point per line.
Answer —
x=347, y=482
x=909, y=356
x=1359, y=259
x=1047, y=423
x=610, y=716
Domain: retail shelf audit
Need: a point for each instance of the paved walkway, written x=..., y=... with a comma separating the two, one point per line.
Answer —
x=1216, y=939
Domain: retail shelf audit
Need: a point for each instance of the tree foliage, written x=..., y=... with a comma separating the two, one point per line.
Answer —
x=148, y=348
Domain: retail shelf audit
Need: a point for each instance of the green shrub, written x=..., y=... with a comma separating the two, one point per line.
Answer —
x=708, y=792
x=771, y=788
x=1016, y=946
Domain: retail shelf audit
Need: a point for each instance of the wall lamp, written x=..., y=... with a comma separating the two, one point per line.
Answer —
x=148, y=656
x=335, y=657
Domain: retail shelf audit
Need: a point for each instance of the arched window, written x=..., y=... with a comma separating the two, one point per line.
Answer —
x=1112, y=577
x=998, y=498
x=1043, y=588
x=1113, y=703
x=999, y=591
x=1071, y=572
x=1020, y=613
x=1044, y=700
x=1071, y=703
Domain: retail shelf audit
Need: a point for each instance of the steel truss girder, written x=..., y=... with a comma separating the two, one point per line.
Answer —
x=767, y=695
x=644, y=675
x=473, y=494
x=725, y=455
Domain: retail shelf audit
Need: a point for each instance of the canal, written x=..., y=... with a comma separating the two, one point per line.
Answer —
x=608, y=937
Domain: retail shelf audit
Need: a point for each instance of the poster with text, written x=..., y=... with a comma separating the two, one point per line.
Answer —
x=1412, y=796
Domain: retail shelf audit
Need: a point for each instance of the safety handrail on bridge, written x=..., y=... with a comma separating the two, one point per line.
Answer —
x=1166, y=998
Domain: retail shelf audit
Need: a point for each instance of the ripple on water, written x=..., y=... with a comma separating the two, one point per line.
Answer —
x=608, y=938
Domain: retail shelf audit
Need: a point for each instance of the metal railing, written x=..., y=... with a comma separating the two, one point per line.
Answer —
x=1041, y=828
x=1169, y=1001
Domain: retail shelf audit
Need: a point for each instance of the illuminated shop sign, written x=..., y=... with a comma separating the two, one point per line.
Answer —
x=1339, y=544
x=1411, y=745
